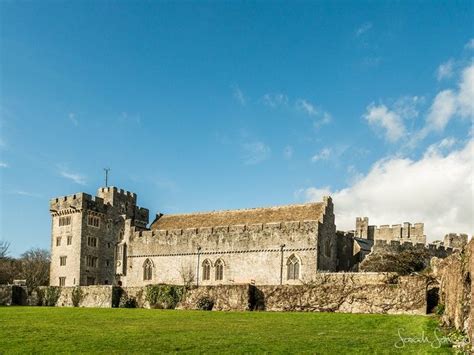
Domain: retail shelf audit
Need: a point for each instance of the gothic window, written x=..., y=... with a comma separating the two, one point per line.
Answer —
x=64, y=221
x=293, y=268
x=206, y=270
x=219, y=265
x=147, y=270
x=62, y=281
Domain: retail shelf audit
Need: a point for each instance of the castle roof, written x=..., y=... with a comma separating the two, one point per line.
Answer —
x=303, y=212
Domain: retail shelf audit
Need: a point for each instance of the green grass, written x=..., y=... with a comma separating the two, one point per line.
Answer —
x=48, y=330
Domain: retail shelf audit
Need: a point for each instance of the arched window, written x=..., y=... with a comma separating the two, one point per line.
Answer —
x=206, y=270
x=147, y=270
x=219, y=270
x=293, y=268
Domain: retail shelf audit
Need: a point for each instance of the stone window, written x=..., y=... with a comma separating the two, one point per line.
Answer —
x=92, y=242
x=206, y=270
x=58, y=241
x=147, y=270
x=62, y=281
x=93, y=221
x=69, y=239
x=107, y=262
x=91, y=261
x=64, y=221
x=62, y=260
x=219, y=265
x=293, y=268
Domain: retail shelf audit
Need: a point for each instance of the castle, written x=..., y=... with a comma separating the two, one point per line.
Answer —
x=104, y=240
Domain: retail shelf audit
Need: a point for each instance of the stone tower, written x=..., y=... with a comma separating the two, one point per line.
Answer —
x=85, y=231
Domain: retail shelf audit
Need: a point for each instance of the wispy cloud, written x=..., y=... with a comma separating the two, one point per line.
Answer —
x=3, y=165
x=470, y=44
x=381, y=118
x=255, y=152
x=324, y=154
x=24, y=193
x=364, y=28
x=306, y=107
x=319, y=116
x=445, y=70
x=74, y=177
x=239, y=95
x=73, y=119
x=275, y=100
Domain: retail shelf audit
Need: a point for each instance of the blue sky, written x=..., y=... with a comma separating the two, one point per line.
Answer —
x=220, y=105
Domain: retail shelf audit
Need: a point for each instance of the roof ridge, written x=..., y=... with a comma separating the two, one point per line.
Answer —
x=242, y=209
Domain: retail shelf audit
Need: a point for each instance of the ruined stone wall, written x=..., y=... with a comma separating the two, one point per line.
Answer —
x=455, y=287
x=90, y=296
x=250, y=253
x=225, y=297
x=395, y=246
x=349, y=293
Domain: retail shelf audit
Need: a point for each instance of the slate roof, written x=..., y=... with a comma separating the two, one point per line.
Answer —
x=303, y=212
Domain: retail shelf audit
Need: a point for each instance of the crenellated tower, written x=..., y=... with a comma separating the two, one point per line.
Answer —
x=86, y=232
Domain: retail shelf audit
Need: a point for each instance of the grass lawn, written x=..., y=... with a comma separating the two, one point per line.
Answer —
x=48, y=330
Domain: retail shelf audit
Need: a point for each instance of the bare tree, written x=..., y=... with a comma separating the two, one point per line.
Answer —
x=187, y=275
x=34, y=265
x=4, y=246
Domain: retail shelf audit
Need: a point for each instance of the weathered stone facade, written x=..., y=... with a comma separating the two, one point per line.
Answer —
x=456, y=292
x=104, y=240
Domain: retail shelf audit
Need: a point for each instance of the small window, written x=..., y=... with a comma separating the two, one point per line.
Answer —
x=62, y=260
x=64, y=221
x=109, y=245
x=91, y=261
x=69, y=239
x=92, y=242
x=206, y=270
x=293, y=268
x=62, y=281
x=219, y=270
x=147, y=270
x=58, y=241
x=107, y=262
x=93, y=221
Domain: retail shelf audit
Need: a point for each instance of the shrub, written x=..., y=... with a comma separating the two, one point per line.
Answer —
x=439, y=309
x=117, y=293
x=205, y=304
x=404, y=262
x=77, y=296
x=164, y=296
x=51, y=296
x=128, y=302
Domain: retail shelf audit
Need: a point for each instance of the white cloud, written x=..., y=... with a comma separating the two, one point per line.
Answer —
x=3, y=165
x=470, y=44
x=437, y=189
x=445, y=70
x=380, y=117
x=24, y=193
x=364, y=28
x=73, y=119
x=324, y=154
x=255, y=152
x=77, y=178
x=288, y=152
x=449, y=103
x=408, y=107
x=275, y=100
x=239, y=95
x=307, y=107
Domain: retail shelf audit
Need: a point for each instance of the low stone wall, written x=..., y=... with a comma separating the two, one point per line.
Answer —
x=225, y=297
x=6, y=294
x=455, y=288
x=348, y=293
x=83, y=296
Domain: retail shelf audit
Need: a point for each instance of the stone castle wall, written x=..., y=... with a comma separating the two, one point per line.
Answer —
x=456, y=292
x=251, y=254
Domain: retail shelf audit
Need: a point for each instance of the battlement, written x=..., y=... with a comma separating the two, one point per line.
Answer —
x=455, y=240
x=396, y=246
x=116, y=197
x=238, y=228
x=406, y=230
x=76, y=202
